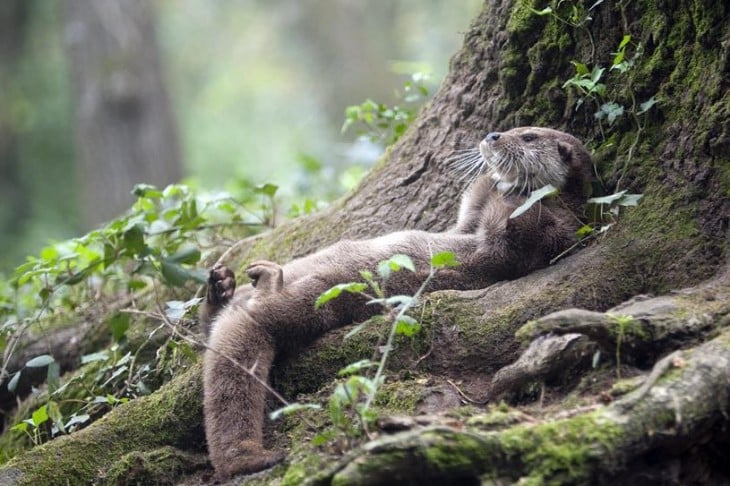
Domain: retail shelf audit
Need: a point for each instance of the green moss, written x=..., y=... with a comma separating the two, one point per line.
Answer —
x=298, y=472
x=495, y=419
x=455, y=452
x=561, y=452
x=170, y=417
x=157, y=467
x=399, y=397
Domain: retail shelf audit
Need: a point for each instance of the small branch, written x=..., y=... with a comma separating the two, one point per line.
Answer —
x=160, y=315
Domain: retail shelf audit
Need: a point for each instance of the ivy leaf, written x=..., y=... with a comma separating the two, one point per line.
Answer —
x=13, y=383
x=611, y=111
x=133, y=240
x=146, y=190
x=535, y=196
x=353, y=368
x=394, y=264
x=40, y=361
x=334, y=292
x=100, y=356
x=646, y=106
x=40, y=415
x=394, y=301
x=118, y=325
x=292, y=408
x=629, y=200
x=610, y=199
x=189, y=255
x=267, y=189
x=584, y=231
x=444, y=259
x=407, y=326
x=174, y=274
x=53, y=377
x=77, y=420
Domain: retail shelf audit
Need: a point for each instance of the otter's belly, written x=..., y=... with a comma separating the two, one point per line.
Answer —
x=343, y=261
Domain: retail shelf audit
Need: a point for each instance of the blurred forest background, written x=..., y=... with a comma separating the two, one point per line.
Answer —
x=96, y=96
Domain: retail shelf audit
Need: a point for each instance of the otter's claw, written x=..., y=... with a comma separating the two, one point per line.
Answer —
x=221, y=285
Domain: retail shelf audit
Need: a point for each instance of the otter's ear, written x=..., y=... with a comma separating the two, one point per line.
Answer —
x=566, y=152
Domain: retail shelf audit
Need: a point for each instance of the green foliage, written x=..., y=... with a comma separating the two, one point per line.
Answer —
x=350, y=405
x=158, y=243
x=625, y=325
x=386, y=124
x=535, y=196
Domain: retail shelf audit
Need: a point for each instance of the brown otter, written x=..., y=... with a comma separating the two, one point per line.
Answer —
x=276, y=312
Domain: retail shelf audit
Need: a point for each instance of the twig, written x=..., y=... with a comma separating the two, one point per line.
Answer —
x=467, y=397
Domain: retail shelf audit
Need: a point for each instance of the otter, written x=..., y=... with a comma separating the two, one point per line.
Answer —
x=275, y=314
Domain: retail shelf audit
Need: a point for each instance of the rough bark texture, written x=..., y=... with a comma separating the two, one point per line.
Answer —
x=510, y=72
x=125, y=131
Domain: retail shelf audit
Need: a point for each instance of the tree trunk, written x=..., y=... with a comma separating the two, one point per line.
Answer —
x=511, y=72
x=125, y=130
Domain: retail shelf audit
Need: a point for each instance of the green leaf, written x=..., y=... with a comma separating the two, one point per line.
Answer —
x=584, y=231
x=626, y=39
x=190, y=255
x=175, y=309
x=174, y=274
x=407, y=326
x=323, y=438
x=334, y=292
x=77, y=420
x=394, y=264
x=13, y=383
x=54, y=413
x=118, y=325
x=611, y=111
x=292, y=408
x=267, y=189
x=580, y=68
x=397, y=300
x=133, y=240
x=646, y=106
x=40, y=415
x=146, y=190
x=100, y=356
x=40, y=361
x=610, y=199
x=356, y=367
x=53, y=376
x=444, y=259
x=545, y=11
x=535, y=196
x=629, y=199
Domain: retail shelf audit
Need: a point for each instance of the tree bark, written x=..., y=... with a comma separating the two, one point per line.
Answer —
x=125, y=130
x=510, y=72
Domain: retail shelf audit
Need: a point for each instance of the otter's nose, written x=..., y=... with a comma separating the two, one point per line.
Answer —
x=492, y=137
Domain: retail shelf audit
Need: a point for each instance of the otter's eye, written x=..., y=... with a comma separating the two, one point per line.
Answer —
x=529, y=137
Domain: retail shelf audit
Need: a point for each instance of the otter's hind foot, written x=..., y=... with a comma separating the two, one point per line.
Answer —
x=267, y=277
x=221, y=285
x=246, y=457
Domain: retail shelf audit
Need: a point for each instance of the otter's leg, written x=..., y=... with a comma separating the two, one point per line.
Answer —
x=221, y=286
x=234, y=401
x=267, y=277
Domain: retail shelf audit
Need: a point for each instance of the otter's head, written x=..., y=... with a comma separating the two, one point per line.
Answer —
x=524, y=159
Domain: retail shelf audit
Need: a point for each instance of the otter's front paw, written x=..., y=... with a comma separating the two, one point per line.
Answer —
x=266, y=276
x=221, y=285
x=245, y=458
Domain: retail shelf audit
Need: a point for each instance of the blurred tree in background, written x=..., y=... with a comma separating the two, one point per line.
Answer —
x=258, y=89
x=124, y=127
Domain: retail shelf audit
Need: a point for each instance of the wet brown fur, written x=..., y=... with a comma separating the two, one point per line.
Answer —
x=276, y=313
